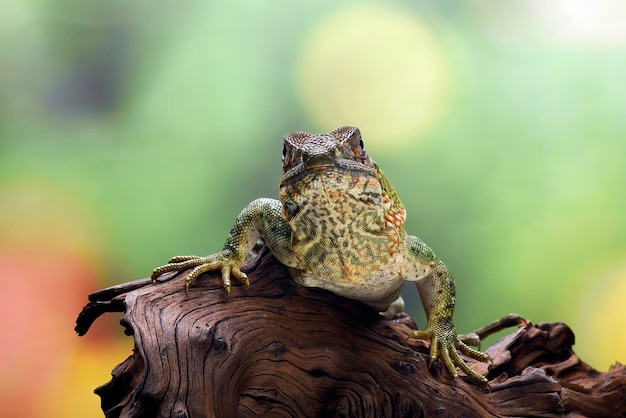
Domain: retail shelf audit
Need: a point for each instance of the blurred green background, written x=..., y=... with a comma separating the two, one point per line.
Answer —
x=131, y=131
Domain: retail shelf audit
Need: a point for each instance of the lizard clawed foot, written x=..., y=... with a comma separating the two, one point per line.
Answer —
x=444, y=343
x=221, y=261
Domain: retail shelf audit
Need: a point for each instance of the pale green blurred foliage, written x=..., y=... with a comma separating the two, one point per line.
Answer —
x=165, y=119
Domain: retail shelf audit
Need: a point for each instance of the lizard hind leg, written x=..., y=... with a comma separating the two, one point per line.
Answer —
x=395, y=308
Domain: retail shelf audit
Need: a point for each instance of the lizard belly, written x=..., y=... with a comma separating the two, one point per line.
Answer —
x=377, y=290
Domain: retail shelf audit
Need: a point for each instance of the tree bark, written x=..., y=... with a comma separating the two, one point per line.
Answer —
x=280, y=349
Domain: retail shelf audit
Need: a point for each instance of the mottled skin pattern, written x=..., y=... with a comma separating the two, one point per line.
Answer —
x=339, y=226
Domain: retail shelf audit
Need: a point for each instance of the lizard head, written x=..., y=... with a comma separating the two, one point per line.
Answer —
x=342, y=148
x=336, y=202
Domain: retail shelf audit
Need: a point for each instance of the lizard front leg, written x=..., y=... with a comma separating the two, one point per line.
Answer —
x=437, y=291
x=260, y=219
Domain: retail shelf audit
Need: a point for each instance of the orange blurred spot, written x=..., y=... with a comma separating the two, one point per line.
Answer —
x=48, y=263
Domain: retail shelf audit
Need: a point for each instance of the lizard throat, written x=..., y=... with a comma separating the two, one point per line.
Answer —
x=319, y=168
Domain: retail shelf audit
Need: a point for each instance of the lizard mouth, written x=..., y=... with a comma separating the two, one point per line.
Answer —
x=318, y=165
x=319, y=161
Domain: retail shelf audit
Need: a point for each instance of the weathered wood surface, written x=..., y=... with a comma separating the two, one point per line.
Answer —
x=279, y=349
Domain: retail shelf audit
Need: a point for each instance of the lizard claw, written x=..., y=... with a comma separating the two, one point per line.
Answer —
x=445, y=344
x=221, y=262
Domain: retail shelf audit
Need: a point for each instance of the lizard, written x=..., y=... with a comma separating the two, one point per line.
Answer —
x=339, y=225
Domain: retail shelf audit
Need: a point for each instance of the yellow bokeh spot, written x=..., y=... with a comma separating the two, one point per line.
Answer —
x=601, y=340
x=376, y=68
x=71, y=395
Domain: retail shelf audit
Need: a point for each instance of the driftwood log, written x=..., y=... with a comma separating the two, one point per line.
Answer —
x=282, y=350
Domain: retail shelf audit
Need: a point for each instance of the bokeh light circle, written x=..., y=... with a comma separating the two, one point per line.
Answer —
x=601, y=305
x=376, y=68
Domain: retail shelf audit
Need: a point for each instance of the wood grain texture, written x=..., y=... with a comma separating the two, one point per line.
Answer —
x=282, y=350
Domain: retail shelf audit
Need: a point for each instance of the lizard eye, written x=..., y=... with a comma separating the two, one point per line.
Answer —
x=284, y=157
x=360, y=151
x=362, y=146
